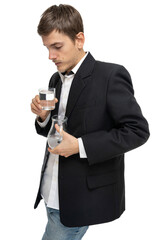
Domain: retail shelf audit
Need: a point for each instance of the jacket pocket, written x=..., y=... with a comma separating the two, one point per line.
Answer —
x=97, y=181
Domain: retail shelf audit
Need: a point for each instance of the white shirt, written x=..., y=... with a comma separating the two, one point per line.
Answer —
x=49, y=187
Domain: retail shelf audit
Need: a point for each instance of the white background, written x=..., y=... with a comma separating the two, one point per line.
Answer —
x=119, y=31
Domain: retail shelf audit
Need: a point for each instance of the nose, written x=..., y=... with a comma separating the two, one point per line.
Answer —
x=52, y=55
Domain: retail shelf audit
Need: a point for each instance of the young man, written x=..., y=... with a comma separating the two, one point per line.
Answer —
x=82, y=179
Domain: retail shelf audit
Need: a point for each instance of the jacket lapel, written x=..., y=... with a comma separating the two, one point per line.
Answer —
x=79, y=82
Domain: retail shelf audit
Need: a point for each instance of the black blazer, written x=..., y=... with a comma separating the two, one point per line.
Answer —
x=102, y=110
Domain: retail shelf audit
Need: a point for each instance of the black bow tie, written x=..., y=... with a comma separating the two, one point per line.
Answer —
x=65, y=73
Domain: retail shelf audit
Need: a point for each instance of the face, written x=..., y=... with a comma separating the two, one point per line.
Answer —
x=63, y=51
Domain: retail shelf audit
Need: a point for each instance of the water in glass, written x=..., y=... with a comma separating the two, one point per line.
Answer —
x=47, y=99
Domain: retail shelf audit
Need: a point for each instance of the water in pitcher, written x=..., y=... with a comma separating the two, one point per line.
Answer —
x=54, y=140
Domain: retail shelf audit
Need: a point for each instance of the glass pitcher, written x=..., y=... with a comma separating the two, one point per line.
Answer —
x=54, y=137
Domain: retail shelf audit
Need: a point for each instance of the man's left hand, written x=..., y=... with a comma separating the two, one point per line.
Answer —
x=68, y=146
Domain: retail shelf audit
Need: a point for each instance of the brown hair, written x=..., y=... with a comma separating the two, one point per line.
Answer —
x=63, y=18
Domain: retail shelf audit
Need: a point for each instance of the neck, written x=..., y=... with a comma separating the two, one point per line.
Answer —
x=82, y=54
x=79, y=57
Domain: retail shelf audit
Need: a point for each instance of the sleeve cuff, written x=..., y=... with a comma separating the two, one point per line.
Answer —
x=82, y=151
x=43, y=124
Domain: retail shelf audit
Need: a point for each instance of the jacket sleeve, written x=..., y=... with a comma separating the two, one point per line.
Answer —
x=43, y=130
x=130, y=127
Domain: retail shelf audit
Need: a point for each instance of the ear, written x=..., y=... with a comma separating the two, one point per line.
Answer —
x=80, y=39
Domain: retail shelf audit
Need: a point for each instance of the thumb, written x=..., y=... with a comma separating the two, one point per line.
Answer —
x=56, y=100
x=59, y=129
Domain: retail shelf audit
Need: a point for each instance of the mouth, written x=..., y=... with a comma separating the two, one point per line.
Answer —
x=57, y=63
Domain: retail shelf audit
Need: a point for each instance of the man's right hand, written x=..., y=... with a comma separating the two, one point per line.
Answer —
x=37, y=108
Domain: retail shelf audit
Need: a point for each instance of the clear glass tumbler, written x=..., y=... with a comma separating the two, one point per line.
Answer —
x=47, y=98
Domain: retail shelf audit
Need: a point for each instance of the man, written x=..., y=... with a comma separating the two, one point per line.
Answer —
x=82, y=179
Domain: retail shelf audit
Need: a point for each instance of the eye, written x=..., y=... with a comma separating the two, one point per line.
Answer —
x=58, y=47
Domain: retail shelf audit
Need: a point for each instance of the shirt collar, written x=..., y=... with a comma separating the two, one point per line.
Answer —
x=74, y=70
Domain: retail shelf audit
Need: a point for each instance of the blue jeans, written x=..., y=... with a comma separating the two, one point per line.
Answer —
x=55, y=230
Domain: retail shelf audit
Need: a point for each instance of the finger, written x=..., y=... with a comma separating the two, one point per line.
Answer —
x=34, y=106
x=36, y=102
x=51, y=150
x=59, y=129
x=54, y=151
x=35, y=109
x=56, y=100
x=57, y=151
x=37, y=99
x=35, y=112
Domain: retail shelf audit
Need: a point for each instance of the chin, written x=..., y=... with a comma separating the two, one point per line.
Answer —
x=61, y=69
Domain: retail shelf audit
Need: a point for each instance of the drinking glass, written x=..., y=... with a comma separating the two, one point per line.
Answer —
x=54, y=137
x=47, y=98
